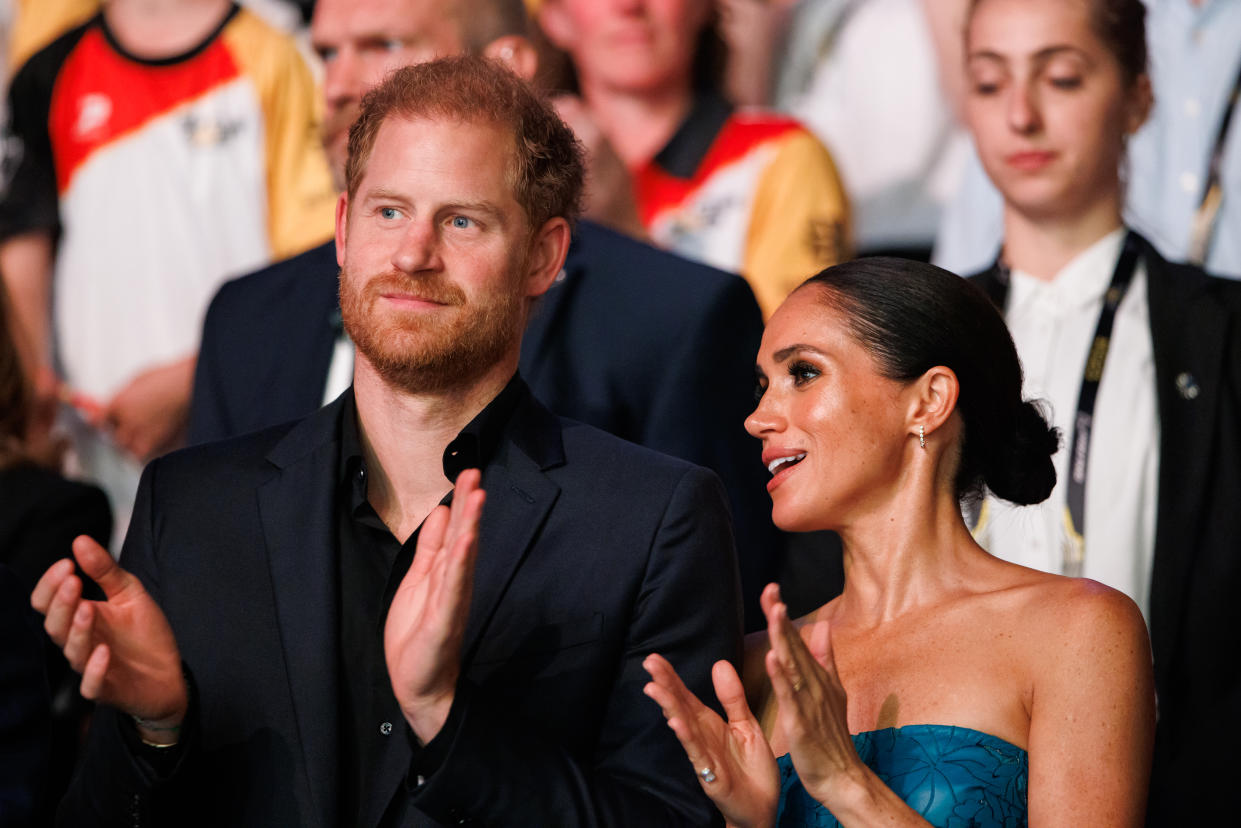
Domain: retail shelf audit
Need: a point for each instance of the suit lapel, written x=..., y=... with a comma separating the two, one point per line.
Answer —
x=1187, y=329
x=297, y=511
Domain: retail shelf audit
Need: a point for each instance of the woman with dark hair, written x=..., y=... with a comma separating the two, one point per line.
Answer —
x=943, y=686
x=1138, y=359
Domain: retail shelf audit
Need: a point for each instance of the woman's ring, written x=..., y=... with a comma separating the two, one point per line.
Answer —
x=707, y=775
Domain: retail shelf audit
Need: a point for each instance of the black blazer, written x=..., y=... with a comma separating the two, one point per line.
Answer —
x=645, y=345
x=1195, y=612
x=593, y=553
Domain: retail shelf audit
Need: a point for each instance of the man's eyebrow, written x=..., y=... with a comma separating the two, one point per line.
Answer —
x=784, y=353
x=485, y=207
x=383, y=194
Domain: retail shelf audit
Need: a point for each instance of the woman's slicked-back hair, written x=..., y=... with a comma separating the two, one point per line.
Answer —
x=912, y=317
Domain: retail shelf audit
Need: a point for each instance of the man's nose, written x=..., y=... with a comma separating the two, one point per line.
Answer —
x=418, y=248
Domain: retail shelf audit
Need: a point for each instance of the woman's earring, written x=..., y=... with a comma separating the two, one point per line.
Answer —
x=922, y=436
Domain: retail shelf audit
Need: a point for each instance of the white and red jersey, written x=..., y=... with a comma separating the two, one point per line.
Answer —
x=162, y=178
x=749, y=191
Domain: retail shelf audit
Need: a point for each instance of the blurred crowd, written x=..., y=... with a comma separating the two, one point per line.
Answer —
x=170, y=169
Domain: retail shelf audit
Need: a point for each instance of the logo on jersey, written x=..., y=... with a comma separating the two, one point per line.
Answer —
x=208, y=131
x=94, y=112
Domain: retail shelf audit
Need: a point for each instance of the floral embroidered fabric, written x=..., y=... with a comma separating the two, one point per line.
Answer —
x=953, y=776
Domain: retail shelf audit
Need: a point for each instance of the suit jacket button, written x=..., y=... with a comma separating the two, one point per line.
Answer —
x=1187, y=386
x=386, y=728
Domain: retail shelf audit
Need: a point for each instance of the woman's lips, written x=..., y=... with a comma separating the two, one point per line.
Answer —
x=784, y=469
x=1030, y=160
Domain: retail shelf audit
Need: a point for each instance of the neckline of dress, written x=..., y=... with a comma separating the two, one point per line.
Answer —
x=903, y=728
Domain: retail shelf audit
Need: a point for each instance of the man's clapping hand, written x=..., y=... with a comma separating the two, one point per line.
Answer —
x=426, y=622
x=122, y=646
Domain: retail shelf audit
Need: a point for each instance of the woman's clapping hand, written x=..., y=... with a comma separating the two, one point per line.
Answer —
x=812, y=711
x=732, y=758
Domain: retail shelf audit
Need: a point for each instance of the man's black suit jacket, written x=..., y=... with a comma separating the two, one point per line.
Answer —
x=645, y=345
x=1195, y=600
x=593, y=553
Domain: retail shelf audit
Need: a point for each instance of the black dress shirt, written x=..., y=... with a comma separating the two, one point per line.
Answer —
x=371, y=564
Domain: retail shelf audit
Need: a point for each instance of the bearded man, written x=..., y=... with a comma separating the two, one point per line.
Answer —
x=298, y=632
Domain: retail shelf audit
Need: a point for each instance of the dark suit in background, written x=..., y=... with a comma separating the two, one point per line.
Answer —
x=592, y=554
x=643, y=344
x=25, y=707
x=40, y=514
x=1196, y=580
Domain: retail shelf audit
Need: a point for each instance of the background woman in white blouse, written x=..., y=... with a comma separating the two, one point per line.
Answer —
x=1139, y=360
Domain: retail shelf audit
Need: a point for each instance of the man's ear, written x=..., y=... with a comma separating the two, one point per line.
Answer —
x=934, y=398
x=547, y=252
x=555, y=22
x=342, y=227
x=515, y=52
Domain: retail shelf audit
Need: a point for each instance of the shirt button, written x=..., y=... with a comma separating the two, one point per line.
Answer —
x=1193, y=108
x=361, y=474
x=1189, y=182
x=386, y=728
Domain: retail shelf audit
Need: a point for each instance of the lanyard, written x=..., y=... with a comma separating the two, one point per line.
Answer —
x=1083, y=421
x=1213, y=192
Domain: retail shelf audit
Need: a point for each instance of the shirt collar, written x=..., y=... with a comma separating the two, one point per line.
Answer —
x=687, y=148
x=1081, y=282
x=473, y=448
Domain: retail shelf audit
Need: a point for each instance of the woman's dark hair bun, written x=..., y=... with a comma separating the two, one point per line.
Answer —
x=911, y=317
x=1021, y=470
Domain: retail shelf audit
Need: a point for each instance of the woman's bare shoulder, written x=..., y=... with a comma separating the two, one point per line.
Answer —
x=1073, y=623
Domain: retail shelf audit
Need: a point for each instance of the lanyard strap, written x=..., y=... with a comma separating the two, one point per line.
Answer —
x=1203, y=224
x=1083, y=422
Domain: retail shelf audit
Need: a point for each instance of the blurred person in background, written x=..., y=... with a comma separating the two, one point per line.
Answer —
x=40, y=515
x=1139, y=360
x=1182, y=177
x=153, y=151
x=641, y=343
x=744, y=190
x=865, y=76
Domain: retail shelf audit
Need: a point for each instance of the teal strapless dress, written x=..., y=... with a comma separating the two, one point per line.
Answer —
x=953, y=776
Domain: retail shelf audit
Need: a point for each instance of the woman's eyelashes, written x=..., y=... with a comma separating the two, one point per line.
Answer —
x=802, y=372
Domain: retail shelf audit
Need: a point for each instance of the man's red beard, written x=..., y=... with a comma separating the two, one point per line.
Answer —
x=435, y=350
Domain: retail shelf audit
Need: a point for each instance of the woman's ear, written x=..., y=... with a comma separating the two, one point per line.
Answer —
x=1138, y=108
x=934, y=399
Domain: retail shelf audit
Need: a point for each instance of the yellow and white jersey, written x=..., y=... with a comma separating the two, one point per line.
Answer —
x=748, y=191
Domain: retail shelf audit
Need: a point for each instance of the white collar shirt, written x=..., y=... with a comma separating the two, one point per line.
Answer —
x=1053, y=324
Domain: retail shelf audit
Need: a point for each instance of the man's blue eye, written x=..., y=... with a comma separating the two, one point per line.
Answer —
x=460, y=222
x=388, y=212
